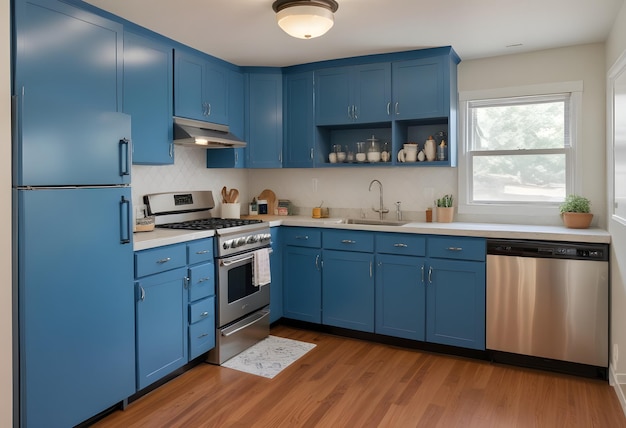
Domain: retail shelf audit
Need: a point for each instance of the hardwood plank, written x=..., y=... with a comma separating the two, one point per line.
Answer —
x=346, y=382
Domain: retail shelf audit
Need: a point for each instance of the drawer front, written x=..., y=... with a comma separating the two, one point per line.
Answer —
x=454, y=247
x=200, y=251
x=161, y=259
x=400, y=243
x=349, y=240
x=201, y=310
x=201, y=281
x=201, y=337
x=302, y=237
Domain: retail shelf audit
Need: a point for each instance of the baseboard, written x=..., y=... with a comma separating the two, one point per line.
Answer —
x=615, y=380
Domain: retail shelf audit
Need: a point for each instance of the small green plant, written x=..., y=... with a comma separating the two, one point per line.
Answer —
x=444, y=202
x=575, y=204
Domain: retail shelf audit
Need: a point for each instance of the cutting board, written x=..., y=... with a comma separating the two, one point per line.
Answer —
x=272, y=201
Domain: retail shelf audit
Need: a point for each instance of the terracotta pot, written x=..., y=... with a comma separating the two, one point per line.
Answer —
x=445, y=214
x=577, y=220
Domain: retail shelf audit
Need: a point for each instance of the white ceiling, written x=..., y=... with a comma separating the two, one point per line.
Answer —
x=244, y=32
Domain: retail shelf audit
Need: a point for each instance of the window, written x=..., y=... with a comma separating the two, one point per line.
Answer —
x=517, y=150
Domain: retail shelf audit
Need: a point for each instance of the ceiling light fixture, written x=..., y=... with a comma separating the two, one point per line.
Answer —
x=305, y=19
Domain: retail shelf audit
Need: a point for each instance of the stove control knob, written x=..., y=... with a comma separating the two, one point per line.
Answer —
x=239, y=242
x=226, y=245
x=252, y=239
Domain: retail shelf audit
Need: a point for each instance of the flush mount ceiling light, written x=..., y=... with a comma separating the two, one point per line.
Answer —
x=305, y=19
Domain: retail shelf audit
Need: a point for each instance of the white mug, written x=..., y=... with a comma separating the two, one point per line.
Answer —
x=407, y=155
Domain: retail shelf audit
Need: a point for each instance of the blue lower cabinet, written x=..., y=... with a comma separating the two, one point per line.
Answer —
x=201, y=327
x=456, y=303
x=161, y=325
x=302, y=284
x=400, y=296
x=348, y=290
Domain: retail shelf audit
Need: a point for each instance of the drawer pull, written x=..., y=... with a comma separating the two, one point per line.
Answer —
x=165, y=260
x=454, y=249
x=203, y=251
x=302, y=237
x=203, y=335
x=400, y=245
x=348, y=241
x=206, y=278
x=204, y=314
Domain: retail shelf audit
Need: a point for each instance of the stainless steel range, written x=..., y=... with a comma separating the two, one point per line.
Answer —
x=241, y=248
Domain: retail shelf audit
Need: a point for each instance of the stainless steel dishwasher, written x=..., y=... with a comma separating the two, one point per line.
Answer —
x=548, y=300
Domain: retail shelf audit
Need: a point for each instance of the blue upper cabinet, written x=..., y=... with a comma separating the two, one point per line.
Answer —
x=419, y=89
x=354, y=94
x=263, y=118
x=68, y=91
x=148, y=93
x=299, y=126
x=201, y=88
x=232, y=158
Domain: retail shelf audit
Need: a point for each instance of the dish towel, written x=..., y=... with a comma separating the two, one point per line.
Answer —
x=261, y=275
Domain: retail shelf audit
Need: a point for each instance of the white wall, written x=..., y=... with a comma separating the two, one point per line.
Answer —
x=348, y=188
x=615, y=46
x=6, y=369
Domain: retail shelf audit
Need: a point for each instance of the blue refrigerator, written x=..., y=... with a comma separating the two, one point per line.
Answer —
x=73, y=273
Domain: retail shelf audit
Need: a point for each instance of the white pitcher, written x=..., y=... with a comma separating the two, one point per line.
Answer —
x=430, y=149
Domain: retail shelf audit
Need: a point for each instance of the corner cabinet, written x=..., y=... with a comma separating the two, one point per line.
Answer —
x=298, y=117
x=263, y=118
x=148, y=98
x=200, y=87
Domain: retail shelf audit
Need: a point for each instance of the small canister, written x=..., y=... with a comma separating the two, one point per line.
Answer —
x=262, y=206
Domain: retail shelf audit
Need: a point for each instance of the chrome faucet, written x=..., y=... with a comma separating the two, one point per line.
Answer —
x=398, y=211
x=381, y=210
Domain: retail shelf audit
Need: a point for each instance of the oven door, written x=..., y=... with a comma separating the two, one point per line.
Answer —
x=237, y=295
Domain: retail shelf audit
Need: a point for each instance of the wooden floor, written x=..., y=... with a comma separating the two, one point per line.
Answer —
x=353, y=383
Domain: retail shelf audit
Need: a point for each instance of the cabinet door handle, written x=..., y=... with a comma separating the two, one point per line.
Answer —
x=400, y=245
x=430, y=274
x=186, y=282
x=311, y=153
x=422, y=269
x=125, y=221
x=236, y=157
x=371, y=269
x=355, y=112
x=317, y=261
x=125, y=156
x=171, y=150
x=208, y=112
x=142, y=294
x=397, y=108
x=204, y=108
x=348, y=241
x=454, y=248
x=204, y=314
x=165, y=260
x=389, y=108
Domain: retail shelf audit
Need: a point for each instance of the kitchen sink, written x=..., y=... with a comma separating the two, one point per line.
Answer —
x=373, y=222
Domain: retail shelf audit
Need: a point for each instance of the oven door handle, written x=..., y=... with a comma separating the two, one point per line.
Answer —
x=258, y=317
x=231, y=262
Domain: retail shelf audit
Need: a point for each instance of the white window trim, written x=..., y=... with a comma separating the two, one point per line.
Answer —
x=464, y=207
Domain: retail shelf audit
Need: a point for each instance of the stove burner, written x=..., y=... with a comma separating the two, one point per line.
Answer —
x=209, y=224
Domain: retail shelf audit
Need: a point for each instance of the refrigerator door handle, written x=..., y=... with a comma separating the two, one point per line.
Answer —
x=125, y=221
x=125, y=156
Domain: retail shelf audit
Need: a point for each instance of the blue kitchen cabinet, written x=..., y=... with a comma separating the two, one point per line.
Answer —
x=455, y=282
x=148, y=98
x=200, y=87
x=68, y=101
x=400, y=287
x=348, y=290
x=263, y=118
x=302, y=275
x=348, y=279
x=232, y=158
x=276, y=268
x=419, y=89
x=298, y=117
x=161, y=325
x=353, y=94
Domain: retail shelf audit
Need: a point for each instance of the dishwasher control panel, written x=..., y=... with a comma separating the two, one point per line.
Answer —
x=547, y=249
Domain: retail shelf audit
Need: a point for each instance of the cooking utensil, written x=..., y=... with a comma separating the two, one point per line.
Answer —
x=233, y=196
x=224, y=195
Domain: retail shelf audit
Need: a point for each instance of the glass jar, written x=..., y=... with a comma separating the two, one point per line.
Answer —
x=360, y=152
x=373, y=149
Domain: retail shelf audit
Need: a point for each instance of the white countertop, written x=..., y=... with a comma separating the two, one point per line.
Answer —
x=160, y=237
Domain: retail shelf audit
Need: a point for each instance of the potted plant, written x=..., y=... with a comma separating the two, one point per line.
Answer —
x=445, y=210
x=575, y=212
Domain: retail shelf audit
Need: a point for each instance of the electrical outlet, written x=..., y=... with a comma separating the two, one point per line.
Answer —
x=615, y=354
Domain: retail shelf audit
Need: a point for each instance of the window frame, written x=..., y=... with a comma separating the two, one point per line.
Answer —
x=573, y=164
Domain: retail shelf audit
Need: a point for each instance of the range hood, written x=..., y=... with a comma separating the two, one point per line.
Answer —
x=204, y=135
